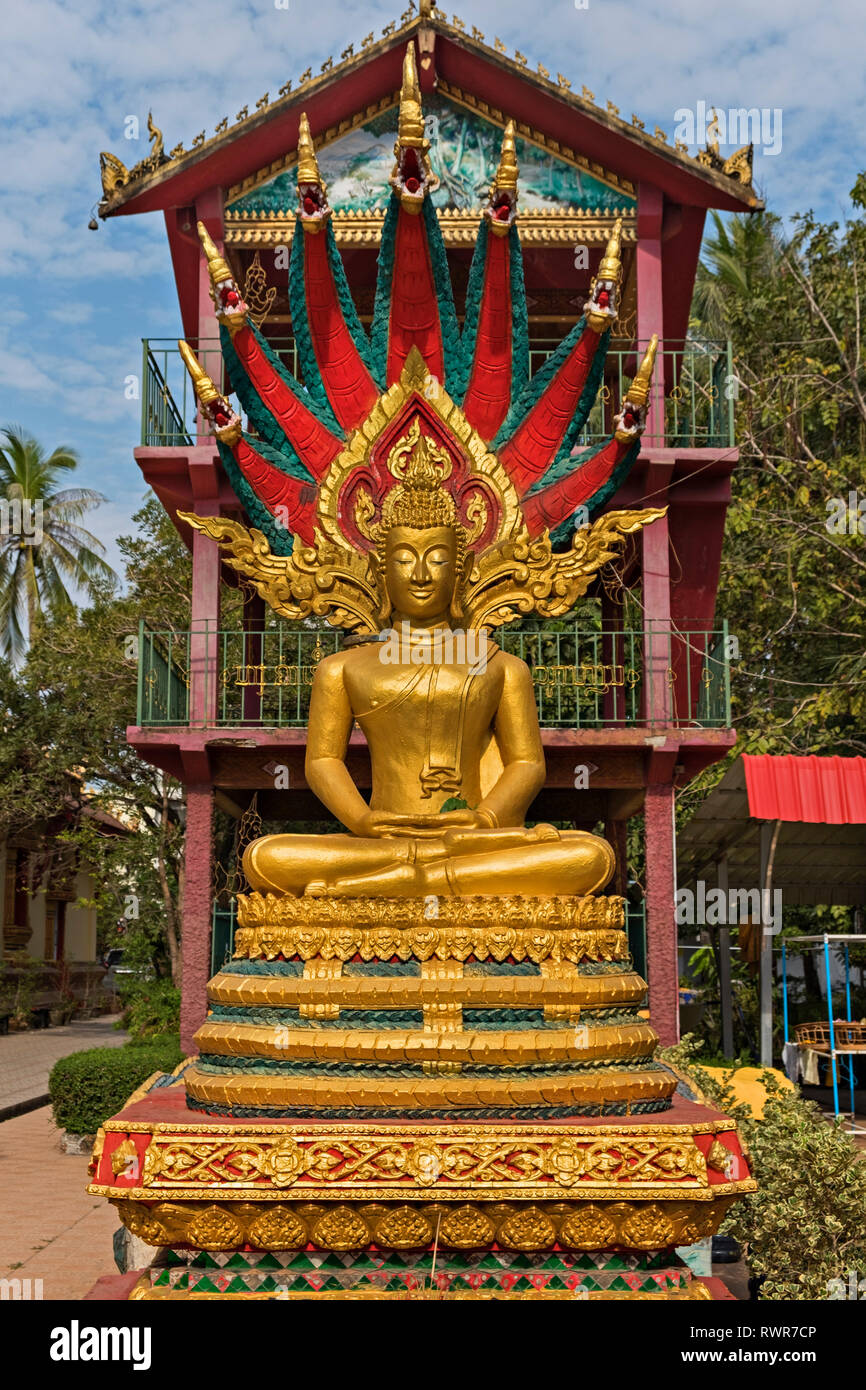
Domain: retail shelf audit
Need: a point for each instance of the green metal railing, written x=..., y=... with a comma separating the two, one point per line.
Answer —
x=698, y=376
x=635, y=925
x=222, y=937
x=583, y=677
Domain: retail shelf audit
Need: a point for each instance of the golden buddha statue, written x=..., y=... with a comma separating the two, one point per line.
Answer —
x=463, y=727
x=435, y=958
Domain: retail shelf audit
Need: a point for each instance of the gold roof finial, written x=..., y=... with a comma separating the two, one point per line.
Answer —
x=204, y=388
x=508, y=170
x=610, y=267
x=410, y=125
x=308, y=168
x=638, y=392
x=216, y=264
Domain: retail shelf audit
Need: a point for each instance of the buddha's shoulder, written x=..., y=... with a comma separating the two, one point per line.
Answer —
x=334, y=668
x=512, y=667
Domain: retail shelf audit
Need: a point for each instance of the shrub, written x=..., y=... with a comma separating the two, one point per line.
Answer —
x=806, y=1225
x=89, y=1087
x=151, y=1009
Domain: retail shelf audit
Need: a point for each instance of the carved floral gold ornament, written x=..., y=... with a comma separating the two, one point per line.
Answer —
x=487, y=1163
x=352, y=1225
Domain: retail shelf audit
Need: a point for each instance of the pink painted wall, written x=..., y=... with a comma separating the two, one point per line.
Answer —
x=197, y=910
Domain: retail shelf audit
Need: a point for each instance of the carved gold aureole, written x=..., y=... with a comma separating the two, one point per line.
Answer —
x=515, y=576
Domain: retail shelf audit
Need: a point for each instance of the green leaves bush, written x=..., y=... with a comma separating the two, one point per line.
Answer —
x=89, y=1087
x=151, y=1009
x=806, y=1224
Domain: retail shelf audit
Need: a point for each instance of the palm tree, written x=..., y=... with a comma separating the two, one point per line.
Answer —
x=736, y=258
x=42, y=547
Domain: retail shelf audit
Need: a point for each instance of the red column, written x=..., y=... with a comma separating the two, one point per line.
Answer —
x=662, y=965
x=613, y=654
x=204, y=623
x=197, y=911
x=650, y=302
x=254, y=654
x=209, y=210
x=656, y=588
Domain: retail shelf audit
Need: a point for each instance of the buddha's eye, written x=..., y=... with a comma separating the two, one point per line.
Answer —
x=438, y=557
x=404, y=557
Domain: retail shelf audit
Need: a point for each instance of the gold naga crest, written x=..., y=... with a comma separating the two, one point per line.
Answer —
x=512, y=574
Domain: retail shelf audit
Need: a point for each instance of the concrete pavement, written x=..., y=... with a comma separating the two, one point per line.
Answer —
x=26, y=1059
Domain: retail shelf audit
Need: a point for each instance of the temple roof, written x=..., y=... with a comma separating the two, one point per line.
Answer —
x=470, y=73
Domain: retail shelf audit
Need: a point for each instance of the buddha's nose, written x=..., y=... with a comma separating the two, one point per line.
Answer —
x=420, y=574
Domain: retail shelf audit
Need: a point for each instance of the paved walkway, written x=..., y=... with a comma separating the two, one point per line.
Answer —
x=51, y=1229
x=27, y=1058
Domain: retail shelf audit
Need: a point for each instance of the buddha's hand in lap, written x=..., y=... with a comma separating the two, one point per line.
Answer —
x=384, y=825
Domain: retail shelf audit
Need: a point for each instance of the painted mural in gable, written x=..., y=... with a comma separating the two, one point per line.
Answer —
x=464, y=152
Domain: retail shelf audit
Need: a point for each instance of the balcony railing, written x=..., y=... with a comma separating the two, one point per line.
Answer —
x=584, y=678
x=698, y=376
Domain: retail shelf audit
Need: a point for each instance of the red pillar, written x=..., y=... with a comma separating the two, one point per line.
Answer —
x=656, y=586
x=209, y=210
x=650, y=301
x=197, y=911
x=204, y=622
x=254, y=653
x=662, y=964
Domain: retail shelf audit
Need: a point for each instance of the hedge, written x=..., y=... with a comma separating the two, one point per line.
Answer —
x=89, y=1087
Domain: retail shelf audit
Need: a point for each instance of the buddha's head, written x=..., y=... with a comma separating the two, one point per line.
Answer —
x=421, y=571
x=421, y=559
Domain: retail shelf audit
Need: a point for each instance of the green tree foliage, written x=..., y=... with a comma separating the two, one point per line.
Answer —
x=794, y=560
x=37, y=568
x=66, y=709
x=805, y=1227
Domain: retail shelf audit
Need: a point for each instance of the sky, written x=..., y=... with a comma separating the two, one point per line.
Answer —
x=77, y=303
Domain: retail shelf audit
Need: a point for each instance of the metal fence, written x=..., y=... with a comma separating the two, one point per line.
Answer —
x=698, y=376
x=583, y=677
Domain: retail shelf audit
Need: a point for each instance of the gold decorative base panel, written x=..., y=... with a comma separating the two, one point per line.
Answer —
x=159, y=1151
x=339, y=1226
x=606, y=1086
x=696, y=1292
x=489, y=928
x=506, y=1048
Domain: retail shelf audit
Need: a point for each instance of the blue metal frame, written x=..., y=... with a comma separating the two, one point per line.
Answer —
x=846, y=1057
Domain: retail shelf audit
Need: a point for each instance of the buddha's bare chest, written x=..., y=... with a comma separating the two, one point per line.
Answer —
x=401, y=700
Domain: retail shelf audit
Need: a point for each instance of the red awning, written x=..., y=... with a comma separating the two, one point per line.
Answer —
x=826, y=791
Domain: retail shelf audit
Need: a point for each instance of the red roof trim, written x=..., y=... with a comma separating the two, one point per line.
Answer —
x=826, y=791
x=271, y=134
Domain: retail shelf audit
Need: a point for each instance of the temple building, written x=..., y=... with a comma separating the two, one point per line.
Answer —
x=632, y=691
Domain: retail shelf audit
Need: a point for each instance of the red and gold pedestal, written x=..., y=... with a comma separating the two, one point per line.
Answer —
x=386, y=1107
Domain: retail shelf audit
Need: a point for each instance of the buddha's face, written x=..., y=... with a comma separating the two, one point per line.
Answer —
x=421, y=571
